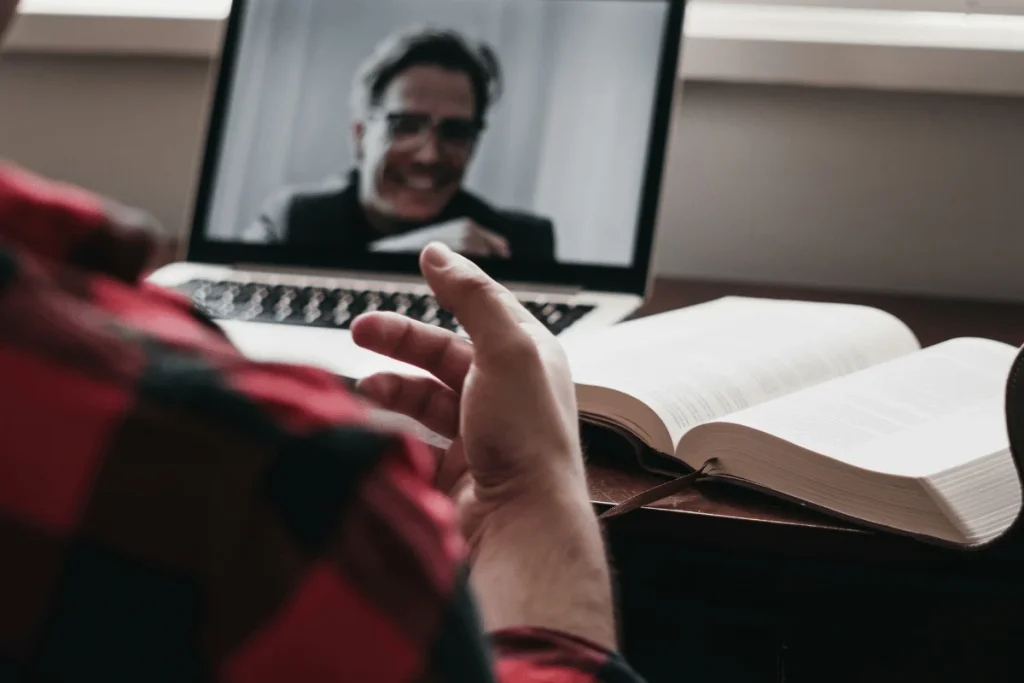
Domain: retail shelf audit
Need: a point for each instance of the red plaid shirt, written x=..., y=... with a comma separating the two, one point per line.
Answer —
x=170, y=511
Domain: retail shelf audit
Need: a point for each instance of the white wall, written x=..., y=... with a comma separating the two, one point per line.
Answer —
x=125, y=127
x=831, y=187
x=917, y=193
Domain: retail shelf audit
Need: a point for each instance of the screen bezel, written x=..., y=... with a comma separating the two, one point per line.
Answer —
x=631, y=279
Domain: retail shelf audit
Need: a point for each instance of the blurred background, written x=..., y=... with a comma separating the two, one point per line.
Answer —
x=871, y=144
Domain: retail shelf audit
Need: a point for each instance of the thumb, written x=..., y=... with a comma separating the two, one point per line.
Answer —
x=489, y=313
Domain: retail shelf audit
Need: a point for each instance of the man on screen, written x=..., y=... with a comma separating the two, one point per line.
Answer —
x=420, y=104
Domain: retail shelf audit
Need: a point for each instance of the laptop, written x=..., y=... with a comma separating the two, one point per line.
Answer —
x=344, y=135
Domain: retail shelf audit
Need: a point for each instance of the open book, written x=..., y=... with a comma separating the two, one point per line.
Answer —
x=835, y=406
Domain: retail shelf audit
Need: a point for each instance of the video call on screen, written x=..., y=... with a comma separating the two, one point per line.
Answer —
x=505, y=128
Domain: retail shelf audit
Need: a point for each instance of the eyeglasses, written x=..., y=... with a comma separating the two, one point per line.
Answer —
x=409, y=131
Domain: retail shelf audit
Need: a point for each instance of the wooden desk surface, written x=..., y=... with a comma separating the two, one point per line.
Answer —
x=743, y=521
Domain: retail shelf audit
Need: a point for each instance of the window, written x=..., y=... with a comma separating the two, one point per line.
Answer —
x=934, y=45
x=199, y=9
x=988, y=6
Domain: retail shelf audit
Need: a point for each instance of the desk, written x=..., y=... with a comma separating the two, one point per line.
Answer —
x=744, y=585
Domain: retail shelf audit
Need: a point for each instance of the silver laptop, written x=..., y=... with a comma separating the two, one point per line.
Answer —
x=345, y=135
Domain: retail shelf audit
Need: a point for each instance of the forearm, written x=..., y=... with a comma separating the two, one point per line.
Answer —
x=543, y=564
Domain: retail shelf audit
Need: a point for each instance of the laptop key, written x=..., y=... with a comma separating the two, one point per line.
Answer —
x=337, y=308
x=375, y=301
x=447, y=321
x=565, y=316
x=402, y=303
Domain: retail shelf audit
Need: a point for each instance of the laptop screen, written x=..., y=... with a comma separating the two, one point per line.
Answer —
x=527, y=134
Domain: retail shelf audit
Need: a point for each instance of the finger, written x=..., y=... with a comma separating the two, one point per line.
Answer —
x=423, y=399
x=477, y=250
x=441, y=353
x=496, y=244
x=503, y=248
x=490, y=314
x=475, y=244
x=452, y=469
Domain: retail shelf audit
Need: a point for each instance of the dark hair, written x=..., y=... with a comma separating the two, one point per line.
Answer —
x=419, y=46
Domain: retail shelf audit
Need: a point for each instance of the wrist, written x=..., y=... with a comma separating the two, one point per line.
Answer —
x=524, y=505
x=540, y=562
x=553, y=478
x=557, y=507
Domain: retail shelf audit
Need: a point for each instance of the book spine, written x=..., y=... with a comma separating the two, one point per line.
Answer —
x=1015, y=408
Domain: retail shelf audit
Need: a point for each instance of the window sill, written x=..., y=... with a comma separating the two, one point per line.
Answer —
x=187, y=29
x=869, y=48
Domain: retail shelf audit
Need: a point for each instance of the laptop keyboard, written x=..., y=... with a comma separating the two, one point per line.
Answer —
x=338, y=307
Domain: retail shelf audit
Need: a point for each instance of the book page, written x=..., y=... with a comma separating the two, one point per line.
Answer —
x=921, y=413
x=704, y=362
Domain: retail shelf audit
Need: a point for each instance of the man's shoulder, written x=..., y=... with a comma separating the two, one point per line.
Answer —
x=68, y=226
x=517, y=218
x=306, y=195
x=309, y=205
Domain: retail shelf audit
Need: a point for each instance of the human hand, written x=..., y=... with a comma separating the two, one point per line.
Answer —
x=515, y=468
x=476, y=240
x=506, y=399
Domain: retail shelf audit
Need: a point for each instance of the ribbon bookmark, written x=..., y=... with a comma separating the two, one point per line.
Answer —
x=651, y=496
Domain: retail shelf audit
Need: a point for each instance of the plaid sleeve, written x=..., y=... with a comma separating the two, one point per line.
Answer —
x=186, y=522
x=170, y=511
x=529, y=654
x=64, y=226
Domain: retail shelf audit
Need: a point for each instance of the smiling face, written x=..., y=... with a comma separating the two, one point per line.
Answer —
x=416, y=144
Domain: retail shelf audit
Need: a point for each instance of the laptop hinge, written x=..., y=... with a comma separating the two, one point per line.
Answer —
x=540, y=288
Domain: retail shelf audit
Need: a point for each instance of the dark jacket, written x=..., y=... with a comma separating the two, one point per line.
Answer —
x=329, y=215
